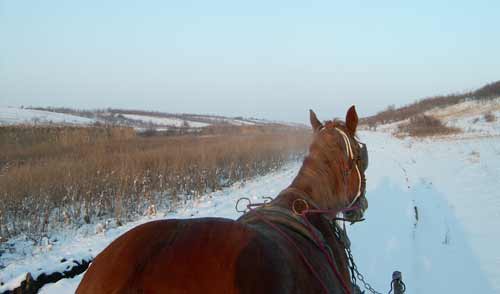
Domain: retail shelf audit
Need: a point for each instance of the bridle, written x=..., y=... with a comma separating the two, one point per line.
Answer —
x=362, y=158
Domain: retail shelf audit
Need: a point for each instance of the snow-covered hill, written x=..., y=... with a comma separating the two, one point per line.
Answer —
x=473, y=118
x=16, y=116
x=451, y=247
x=140, y=120
x=164, y=121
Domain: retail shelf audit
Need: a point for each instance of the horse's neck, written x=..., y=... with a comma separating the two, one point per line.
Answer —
x=319, y=183
x=320, y=193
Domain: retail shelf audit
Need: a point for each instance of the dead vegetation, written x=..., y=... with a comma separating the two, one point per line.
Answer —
x=416, y=109
x=489, y=117
x=423, y=126
x=64, y=177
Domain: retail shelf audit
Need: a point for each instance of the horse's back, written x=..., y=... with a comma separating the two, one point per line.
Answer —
x=208, y=255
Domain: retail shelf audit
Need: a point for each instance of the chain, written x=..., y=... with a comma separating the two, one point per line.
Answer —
x=355, y=274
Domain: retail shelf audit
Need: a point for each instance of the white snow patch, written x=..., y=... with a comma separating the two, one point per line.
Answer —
x=165, y=121
x=13, y=116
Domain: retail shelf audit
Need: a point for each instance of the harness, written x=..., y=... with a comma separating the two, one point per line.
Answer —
x=296, y=220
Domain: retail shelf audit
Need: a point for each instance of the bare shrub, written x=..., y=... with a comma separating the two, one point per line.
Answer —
x=425, y=125
x=489, y=117
x=68, y=176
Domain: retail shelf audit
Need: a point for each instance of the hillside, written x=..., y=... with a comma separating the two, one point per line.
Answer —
x=470, y=114
x=140, y=120
x=392, y=114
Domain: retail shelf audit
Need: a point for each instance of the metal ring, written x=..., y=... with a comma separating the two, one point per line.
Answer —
x=238, y=202
x=294, y=208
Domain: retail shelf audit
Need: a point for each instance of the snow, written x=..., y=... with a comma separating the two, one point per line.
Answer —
x=468, y=108
x=63, y=286
x=165, y=121
x=451, y=248
x=239, y=122
x=11, y=116
x=469, y=116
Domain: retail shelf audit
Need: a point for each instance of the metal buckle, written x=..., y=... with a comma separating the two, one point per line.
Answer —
x=300, y=202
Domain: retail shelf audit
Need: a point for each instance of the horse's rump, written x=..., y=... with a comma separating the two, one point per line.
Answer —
x=207, y=255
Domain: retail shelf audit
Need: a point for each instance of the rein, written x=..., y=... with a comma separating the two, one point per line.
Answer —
x=329, y=257
x=301, y=253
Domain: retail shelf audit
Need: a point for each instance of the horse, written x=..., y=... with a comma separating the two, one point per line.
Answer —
x=287, y=245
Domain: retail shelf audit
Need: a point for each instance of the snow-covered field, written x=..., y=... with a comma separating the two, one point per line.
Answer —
x=450, y=248
x=164, y=121
x=17, y=115
x=13, y=116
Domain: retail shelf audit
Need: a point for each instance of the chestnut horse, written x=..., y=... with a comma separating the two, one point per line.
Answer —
x=288, y=245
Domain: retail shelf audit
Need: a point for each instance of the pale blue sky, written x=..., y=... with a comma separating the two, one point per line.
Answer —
x=270, y=59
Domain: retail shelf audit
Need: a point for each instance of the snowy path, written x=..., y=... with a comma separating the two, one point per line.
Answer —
x=454, y=185
x=451, y=248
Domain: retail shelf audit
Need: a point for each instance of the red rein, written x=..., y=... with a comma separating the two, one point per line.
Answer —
x=322, y=247
x=329, y=258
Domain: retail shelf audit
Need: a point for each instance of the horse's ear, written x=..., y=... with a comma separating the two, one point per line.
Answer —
x=351, y=120
x=315, y=123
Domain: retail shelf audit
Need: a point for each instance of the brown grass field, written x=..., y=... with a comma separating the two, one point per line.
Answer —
x=55, y=177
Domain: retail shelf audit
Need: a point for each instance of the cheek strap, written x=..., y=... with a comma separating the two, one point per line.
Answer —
x=350, y=155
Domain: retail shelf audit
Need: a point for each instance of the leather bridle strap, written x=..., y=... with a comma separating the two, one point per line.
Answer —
x=350, y=154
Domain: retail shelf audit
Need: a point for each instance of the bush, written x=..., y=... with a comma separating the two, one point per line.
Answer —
x=424, y=125
x=489, y=117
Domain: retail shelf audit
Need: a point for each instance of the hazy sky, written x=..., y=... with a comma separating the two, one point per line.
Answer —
x=269, y=59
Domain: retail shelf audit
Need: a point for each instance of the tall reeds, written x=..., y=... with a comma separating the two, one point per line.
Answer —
x=54, y=177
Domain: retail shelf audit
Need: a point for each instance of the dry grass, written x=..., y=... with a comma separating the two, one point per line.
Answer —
x=423, y=126
x=55, y=177
x=489, y=117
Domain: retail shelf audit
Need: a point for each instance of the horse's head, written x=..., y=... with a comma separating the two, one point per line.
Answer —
x=345, y=160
